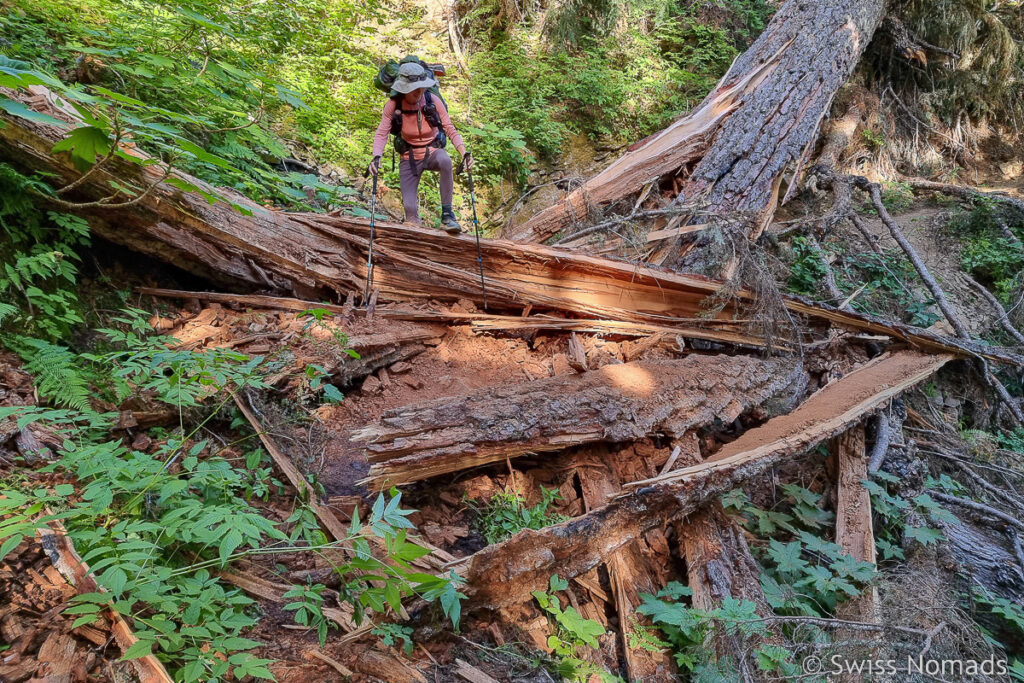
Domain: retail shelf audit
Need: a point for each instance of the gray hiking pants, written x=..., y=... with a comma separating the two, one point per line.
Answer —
x=410, y=172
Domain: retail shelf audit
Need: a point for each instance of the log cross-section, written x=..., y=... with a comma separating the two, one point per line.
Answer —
x=615, y=403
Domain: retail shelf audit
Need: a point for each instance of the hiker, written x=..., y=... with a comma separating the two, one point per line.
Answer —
x=420, y=140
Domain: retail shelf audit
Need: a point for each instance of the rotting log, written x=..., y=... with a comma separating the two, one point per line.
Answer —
x=718, y=560
x=757, y=125
x=66, y=560
x=854, y=531
x=615, y=403
x=505, y=573
x=630, y=571
x=719, y=565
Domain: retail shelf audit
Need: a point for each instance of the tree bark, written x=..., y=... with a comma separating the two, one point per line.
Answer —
x=615, y=403
x=762, y=120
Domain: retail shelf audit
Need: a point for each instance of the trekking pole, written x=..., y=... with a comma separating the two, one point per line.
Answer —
x=476, y=229
x=369, y=253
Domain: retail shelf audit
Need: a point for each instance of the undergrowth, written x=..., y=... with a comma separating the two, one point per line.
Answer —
x=156, y=527
x=879, y=283
x=506, y=514
x=802, y=575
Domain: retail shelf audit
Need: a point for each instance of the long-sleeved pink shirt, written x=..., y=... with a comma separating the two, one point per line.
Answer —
x=416, y=130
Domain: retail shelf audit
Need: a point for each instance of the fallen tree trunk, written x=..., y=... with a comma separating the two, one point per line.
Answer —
x=616, y=403
x=764, y=118
x=505, y=573
x=315, y=255
x=265, y=249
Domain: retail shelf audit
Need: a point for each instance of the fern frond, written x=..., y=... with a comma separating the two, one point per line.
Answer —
x=56, y=372
x=6, y=311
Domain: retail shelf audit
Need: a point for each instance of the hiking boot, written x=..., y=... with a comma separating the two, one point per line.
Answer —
x=449, y=224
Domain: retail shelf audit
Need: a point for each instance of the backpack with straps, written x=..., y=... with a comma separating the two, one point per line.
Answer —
x=383, y=81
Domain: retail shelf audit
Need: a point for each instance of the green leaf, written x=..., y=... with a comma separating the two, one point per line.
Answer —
x=924, y=535
x=18, y=109
x=787, y=556
x=558, y=584
x=585, y=630
x=114, y=580
x=140, y=649
x=232, y=539
x=10, y=544
x=64, y=489
x=84, y=620
x=85, y=145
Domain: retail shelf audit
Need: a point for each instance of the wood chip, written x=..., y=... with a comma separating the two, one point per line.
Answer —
x=471, y=673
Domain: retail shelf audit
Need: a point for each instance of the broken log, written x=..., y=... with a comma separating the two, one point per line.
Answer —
x=854, y=531
x=712, y=330
x=758, y=124
x=248, y=246
x=629, y=571
x=58, y=547
x=614, y=403
x=718, y=560
x=505, y=573
x=719, y=565
x=315, y=255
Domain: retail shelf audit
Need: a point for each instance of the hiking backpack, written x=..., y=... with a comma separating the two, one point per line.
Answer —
x=383, y=81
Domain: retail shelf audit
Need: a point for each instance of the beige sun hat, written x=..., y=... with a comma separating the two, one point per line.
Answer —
x=412, y=76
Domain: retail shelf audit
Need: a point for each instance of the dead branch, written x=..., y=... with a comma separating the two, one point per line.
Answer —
x=978, y=507
x=330, y=523
x=1004, y=319
x=883, y=437
x=875, y=191
x=61, y=552
x=965, y=193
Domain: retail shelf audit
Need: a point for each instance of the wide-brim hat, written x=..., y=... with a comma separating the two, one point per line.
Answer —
x=410, y=77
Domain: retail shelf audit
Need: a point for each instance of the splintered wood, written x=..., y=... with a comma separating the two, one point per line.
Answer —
x=854, y=531
x=615, y=403
x=505, y=573
x=59, y=549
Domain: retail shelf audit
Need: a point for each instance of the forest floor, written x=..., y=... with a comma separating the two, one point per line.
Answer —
x=441, y=361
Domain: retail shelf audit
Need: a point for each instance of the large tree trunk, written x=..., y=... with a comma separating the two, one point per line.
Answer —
x=317, y=256
x=505, y=573
x=267, y=249
x=762, y=121
x=616, y=403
